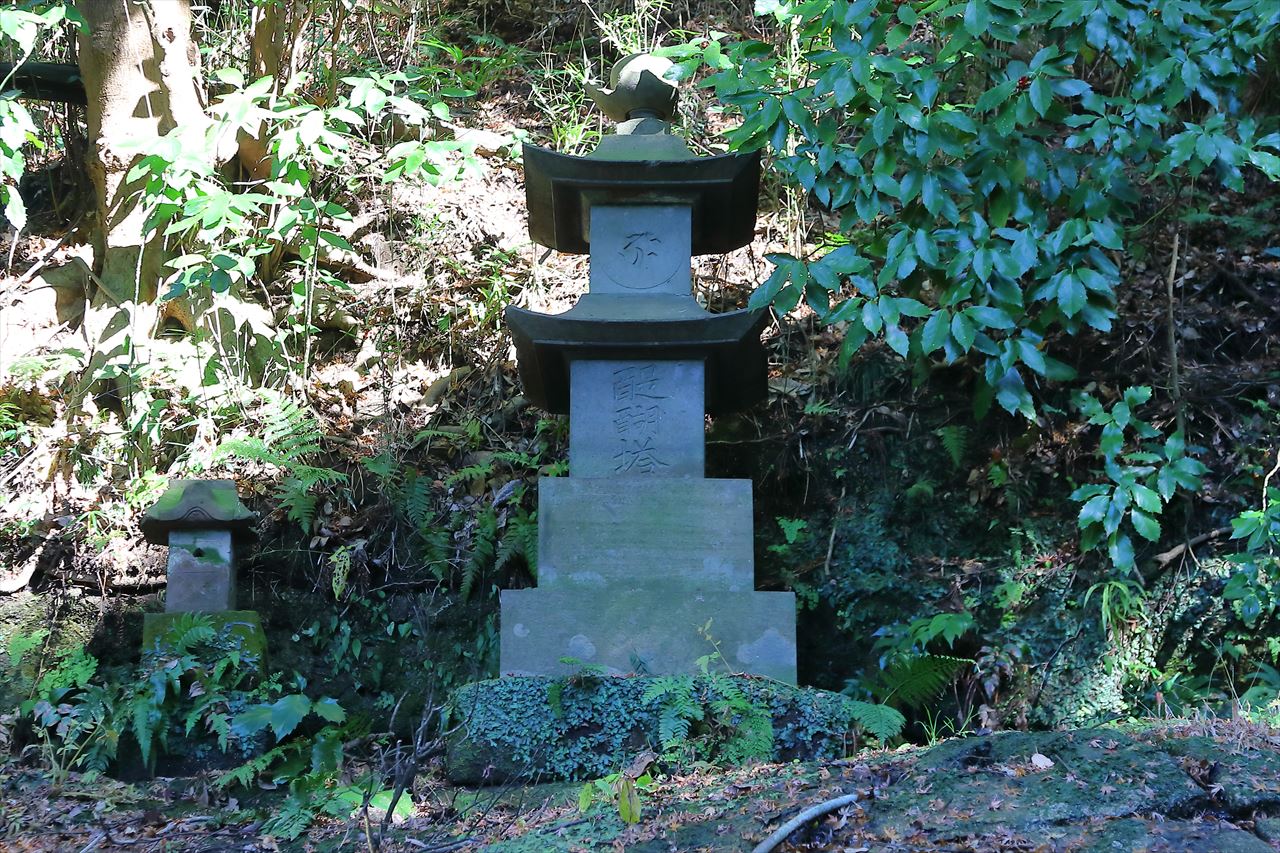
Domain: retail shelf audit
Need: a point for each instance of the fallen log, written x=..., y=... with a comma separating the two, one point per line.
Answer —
x=46, y=81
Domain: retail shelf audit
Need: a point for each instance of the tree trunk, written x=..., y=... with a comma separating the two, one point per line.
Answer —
x=142, y=78
x=273, y=52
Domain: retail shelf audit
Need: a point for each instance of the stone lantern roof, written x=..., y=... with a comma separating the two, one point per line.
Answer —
x=198, y=505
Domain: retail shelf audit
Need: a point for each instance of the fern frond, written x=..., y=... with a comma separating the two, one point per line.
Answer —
x=955, y=440
x=188, y=630
x=520, y=539
x=417, y=502
x=673, y=727
x=880, y=720
x=913, y=680
x=288, y=436
x=479, y=471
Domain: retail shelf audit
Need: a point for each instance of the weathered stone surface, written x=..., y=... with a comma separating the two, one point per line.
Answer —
x=638, y=531
x=1106, y=791
x=654, y=629
x=197, y=505
x=640, y=249
x=544, y=728
x=636, y=419
x=1239, y=779
x=980, y=784
x=201, y=572
x=1163, y=836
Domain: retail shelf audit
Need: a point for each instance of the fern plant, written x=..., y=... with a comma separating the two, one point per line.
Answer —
x=883, y=721
x=289, y=439
x=955, y=440
x=911, y=681
x=188, y=681
x=709, y=716
x=678, y=712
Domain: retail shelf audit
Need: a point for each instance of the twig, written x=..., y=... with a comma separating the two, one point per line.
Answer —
x=440, y=848
x=1176, y=385
x=1266, y=482
x=831, y=540
x=1177, y=551
x=780, y=835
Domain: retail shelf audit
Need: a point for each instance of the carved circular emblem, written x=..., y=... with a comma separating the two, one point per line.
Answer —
x=641, y=262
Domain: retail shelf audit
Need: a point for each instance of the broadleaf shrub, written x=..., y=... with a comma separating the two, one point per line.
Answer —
x=983, y=159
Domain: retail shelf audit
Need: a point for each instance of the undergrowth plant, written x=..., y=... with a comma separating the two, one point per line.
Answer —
x=910, y=675
x=1254, y=586
x=1143, y=474
x=708, y=717
x=198, y=681
x=285, y=435
x=81, y=715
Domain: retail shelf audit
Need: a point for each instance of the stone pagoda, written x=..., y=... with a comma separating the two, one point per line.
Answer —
x=644, y=564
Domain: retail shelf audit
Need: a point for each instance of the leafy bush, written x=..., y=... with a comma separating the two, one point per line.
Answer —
x=80, y=715
x=982, y=159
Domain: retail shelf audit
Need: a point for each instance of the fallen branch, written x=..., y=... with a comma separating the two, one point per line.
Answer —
x=801, y=819
x=1177, y=551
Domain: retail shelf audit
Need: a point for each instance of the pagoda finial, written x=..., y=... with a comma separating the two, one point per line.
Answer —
x=639, y=89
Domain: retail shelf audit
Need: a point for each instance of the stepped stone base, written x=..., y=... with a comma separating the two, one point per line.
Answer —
x=624, y=532
x=654, y=629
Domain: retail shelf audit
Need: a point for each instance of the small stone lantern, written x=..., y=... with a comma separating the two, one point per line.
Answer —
x=204, y=524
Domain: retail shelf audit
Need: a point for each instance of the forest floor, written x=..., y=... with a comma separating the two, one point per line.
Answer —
x=1211, y=785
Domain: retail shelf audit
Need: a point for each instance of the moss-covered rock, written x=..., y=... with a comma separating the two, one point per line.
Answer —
x=1239, y=777
x=979, y=784
x=1059, y=792
x=545, y=728
x=66, y=621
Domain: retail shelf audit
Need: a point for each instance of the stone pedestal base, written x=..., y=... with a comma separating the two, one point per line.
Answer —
x=654, y=630
x=646, y=575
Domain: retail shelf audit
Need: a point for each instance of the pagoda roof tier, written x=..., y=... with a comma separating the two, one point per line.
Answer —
x=560, y=190
x=659, y=327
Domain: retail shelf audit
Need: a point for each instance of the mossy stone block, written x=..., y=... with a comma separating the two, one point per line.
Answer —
x=546, y=729
x=242, y=625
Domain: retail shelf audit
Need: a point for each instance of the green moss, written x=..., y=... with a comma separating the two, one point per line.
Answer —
x=242, y=625
x=519, y=727
x=70, y=620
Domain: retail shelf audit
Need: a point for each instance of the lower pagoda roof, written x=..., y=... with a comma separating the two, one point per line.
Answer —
x=658, y=327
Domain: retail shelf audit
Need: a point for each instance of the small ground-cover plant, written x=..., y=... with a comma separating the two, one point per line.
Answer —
x=81, y=714
x=198, y=682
